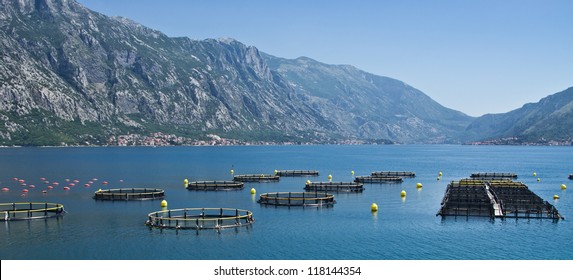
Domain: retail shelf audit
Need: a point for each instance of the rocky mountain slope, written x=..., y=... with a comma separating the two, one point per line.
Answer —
x=372, y=106
x=71, y=75
x=549, y=119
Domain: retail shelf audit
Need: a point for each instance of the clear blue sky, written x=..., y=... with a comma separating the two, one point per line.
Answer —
x=477, y=57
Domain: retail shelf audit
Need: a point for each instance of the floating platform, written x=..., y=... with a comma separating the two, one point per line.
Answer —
x=334, y=187
x=200, y=218
x=296, y=173
x=393, y=174
x=494, y=199
x=494, y=175
x=314, y=199
x=378, y=180
x=256, y=178
x=129, y=194
x=30, y=210
x=215, y=186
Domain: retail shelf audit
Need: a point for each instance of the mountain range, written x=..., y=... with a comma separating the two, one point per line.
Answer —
x=70, y=75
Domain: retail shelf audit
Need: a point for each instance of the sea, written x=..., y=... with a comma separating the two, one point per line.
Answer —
x=402, y=229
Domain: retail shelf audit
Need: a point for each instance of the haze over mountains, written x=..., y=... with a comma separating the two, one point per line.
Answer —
x=74, y=76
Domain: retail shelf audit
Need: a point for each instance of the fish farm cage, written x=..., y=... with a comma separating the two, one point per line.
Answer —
x=129, y=194
x=334, y=187
x=495, y=199
x=378, y=180
x=393, y=174
x=215, y=186
x=30, y=210
x=200, y=218
x=493, y=175
x=256, y=178
x=296, y=173
x=313, y=199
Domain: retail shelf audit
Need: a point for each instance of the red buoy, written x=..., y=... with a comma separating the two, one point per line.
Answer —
x=86, y=185
x=5, y=189
x=25, y=190
x=66, y=188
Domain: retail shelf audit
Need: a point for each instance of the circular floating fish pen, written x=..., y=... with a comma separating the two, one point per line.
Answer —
x=297, y=199
x=256, y=178
x=129, y=194
x=215, y=186
x=393, y=174
x=334, y=187
x=200, y=218
x=30, y=210
x=377, y=180
x=296, y=173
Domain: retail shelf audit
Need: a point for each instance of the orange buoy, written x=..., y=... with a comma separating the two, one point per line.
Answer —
x=15, y=179
x=21, y=181
x=104, y=182
x=66, y=188
x=50, y=187
x=5, y=189
x=72, y=185
x=55, y=183
x=42, y=179
x=25, y=190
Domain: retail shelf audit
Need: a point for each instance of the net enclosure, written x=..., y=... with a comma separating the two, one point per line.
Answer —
x=30, y=210
x=377, y=180
x=334, y=187
x=129, y=194
x=215, y=186
x=256, y=178
x=316, y=199
x=200, y=218
x=295, y=173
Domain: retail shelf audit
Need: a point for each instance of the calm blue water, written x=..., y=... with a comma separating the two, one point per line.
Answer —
x=402, y=229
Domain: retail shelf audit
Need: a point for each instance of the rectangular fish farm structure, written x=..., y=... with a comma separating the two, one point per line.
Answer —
x=495, y=198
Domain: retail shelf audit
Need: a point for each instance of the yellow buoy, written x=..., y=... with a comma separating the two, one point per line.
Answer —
x=563, y=187
x=329, y=177
x=185, y=183
x=164, y=203
x=418, y=185
x=555, y=197
x=276, y=171
x=232, y=171
x=538, y=179
x=534, y=174
x=308, y=182
x=352, y=172
x=403, y=193
x=253, y=191
x=374, y=207
x=440, y=174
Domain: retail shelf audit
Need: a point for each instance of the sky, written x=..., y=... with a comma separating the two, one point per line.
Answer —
x=477, y=57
